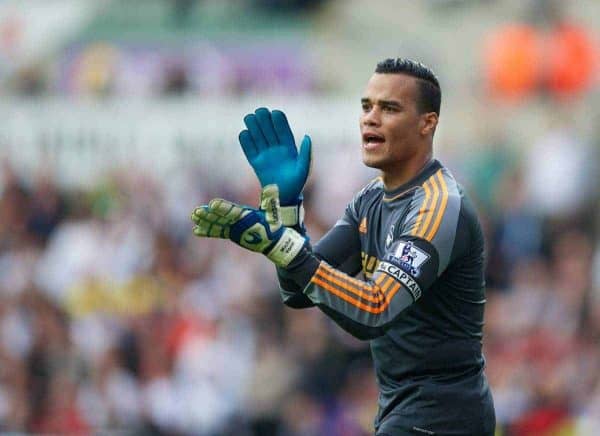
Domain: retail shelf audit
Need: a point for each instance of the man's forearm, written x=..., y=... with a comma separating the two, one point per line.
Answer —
x=339, y=247
x=363, y=308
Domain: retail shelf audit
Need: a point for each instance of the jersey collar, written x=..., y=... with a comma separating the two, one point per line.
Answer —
x=428, y=170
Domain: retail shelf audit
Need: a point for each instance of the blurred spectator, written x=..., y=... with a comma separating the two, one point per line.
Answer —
x=559, y=170
x=46, y=210
x=176, y=81
x=518, y=230
x=31, y=81
x=551, y=54
x=94, y=73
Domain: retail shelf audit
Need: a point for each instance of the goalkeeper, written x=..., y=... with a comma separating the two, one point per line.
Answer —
x=412, y=235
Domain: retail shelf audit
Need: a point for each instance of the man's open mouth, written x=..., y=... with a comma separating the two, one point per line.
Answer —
x=372, y=138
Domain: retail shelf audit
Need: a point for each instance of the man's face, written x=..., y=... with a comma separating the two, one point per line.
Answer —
x=390, y=123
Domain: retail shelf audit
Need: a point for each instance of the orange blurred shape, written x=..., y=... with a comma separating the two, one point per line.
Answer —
x=513, y=61
x=571, y=60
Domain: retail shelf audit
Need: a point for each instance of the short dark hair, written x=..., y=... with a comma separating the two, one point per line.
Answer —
x=430, y=93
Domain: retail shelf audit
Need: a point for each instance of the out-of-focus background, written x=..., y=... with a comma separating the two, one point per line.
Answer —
x=118, y=117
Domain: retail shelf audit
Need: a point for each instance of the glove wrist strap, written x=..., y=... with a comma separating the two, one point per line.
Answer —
x=286, y=248
x=292, y=216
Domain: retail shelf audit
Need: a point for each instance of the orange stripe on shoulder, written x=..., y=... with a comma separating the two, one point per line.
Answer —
x=444, y=202
x=423, y=209
x=432, y=206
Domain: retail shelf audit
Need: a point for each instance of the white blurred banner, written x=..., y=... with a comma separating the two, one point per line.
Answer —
x=79, y=141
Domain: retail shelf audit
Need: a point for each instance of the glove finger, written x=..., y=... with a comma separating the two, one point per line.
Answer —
x=259, y=139
x=284, y=133
x=304, y=161
x=265, y=122
x=248, y=146
x=199, y=214
x=201, y=231
x=204, y=214
x=231, y=212
x=209, y=224
x=208, y=230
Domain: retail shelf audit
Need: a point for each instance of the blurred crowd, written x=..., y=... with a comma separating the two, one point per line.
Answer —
x=113, y=317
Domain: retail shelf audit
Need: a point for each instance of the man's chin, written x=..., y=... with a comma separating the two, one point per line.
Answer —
x=370, y=162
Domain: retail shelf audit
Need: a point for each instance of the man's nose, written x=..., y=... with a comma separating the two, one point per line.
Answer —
x=372, y=117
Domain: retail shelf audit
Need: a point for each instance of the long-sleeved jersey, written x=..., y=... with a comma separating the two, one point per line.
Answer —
x=420, y=300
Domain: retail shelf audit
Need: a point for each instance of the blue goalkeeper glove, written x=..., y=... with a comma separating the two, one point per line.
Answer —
x=270, y=148
x=259, y=230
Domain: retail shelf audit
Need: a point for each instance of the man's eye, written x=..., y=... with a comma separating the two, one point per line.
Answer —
x=366, y=107
x=390, y=109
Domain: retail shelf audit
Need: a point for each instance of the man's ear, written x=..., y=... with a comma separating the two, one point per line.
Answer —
x=428, y=123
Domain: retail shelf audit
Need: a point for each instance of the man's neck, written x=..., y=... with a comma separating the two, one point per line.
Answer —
x=405, y=173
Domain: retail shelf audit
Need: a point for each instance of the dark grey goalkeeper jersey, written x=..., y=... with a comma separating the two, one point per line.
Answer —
x=420, y=300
